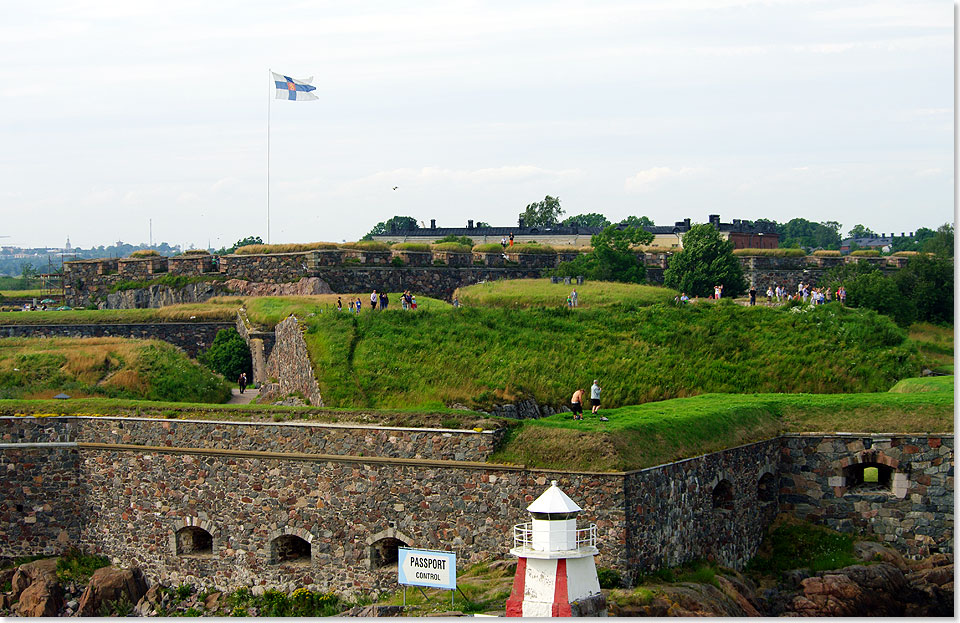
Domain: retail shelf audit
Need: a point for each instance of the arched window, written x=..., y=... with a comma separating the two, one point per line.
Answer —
x=767, y=488
x=194, y=541
x=383, y=553
x=868, y=478
x=289, y=548
x=723, y=495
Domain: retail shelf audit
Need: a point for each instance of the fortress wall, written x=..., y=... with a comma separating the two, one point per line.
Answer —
x=42, y=504
x=912, y=511
x=672, y=516
x=192, y=337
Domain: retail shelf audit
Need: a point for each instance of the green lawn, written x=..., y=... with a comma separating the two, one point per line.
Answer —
x=188, y=312
x=526, y=293
x=265, y=312
x=925, y=384
x=22, y=294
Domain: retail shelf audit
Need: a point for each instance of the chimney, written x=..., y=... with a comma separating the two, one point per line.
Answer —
x=686, y=222
x=714, y=220
x=911, y=234
x=520, y=222
x=433, y=223
x=901, y=235
x=882, y=235
x=470, y=224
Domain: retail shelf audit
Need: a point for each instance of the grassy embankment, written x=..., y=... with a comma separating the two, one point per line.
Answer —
x=111, y=367
x=214, y=310
x=529, y=293
x=479, y=357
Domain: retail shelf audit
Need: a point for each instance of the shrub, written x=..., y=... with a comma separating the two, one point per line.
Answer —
x=792, y=544
x=229, y=355
x=396, y=261
x=172, y=377
x=411, y=246
x=453, y=247
x=461, y=240
x=865, y=253
x=609, y=578
x=75, y=566
x=707, y=260
x=145, y=253
x=826, y=253
x=489, y=247
x=771, y=252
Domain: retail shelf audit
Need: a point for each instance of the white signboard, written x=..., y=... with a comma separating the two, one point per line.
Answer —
x=423, y=567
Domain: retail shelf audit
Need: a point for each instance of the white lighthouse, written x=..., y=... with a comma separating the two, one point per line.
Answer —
x=556, y=574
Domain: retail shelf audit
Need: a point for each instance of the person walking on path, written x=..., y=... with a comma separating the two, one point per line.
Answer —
x=358, y=304
x=503, y=243
x=511, y=239
x=373, y=300
x=753, y=295
x=574, y=298
x=242, y=381
x=339, y=304
x=595, y=399
x=576, y=404
x=384, y=301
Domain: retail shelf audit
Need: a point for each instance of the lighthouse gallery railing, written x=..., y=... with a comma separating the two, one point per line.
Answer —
x=523, y=536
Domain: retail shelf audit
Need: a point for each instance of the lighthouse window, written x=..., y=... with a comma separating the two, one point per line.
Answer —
x=554, y=516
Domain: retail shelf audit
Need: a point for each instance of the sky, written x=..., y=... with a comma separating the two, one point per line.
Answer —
x=119, y=112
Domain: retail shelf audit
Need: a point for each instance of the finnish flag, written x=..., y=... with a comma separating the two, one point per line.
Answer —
x=291, y=89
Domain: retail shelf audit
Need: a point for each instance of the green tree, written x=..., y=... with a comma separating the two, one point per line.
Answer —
x=544, y=213
x=875, y=291
x=800, y=232
x=611, y=258
x=859, y=231
x=941, y=243
x=397, y=223
x=229, y=355
x=638, y=221
x=239, y=243
x=482, y=224
x=592, y=219
x=457, y=239
x=929, y=282
x=705, y=261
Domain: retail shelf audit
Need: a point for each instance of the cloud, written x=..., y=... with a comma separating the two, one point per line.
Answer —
x=929, y=172
x=488, y=175
x=647, y=179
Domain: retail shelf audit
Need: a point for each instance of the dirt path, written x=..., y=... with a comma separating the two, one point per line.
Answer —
x=241, y=399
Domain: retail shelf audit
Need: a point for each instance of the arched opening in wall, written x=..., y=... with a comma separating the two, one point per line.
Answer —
x=767, y=488
x=194, y=541
x=868, y=478
x=289, y=549
x=723, y=495
x=384, y=553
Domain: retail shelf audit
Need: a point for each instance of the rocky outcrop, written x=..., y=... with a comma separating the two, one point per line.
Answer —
x=289, y=364
x=307, y=286
x=35, y=585
x=110, y=584
x=525, y=410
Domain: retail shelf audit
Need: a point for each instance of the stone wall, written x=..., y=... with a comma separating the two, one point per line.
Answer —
x=439, y=282
x=192, y=337
x=42, y=505
x=289, y=363
x=672, y=516
x=911, y=507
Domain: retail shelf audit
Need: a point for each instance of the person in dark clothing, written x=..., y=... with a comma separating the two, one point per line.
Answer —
x=242, y=381
x=753, y=295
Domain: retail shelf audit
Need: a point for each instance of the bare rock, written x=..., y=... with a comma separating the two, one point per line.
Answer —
x=212, y=601
x=44, y=596
x=870, y=551
x=30, y=572
x=939, y=576
x=6, y=575
x=936, y=560
x=305, y=287
x=372, y=611
x=111, y=584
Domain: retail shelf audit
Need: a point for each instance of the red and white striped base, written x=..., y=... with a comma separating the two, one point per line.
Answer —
x=558, y=587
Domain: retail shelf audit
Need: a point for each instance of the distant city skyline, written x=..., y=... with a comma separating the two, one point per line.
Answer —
x=116, y=113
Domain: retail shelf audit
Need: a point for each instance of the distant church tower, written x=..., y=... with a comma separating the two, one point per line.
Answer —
x=67, y=246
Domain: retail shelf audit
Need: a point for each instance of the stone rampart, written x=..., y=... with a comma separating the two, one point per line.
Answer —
x=907, y=503
x=192, y=337
x=288, y=370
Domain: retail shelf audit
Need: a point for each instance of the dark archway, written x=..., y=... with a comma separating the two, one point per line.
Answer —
x=723, y=495
x=868, y=478
x=194, y=541
x=767, y=488
x=384, y=552
x=289, y=548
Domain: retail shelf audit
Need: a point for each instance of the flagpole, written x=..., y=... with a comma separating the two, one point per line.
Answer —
x=268, y=154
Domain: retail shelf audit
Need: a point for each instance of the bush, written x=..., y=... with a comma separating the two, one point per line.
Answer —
x=490, y=247
x=453, y=247
x=145, y=253
x=229, y=355
x=826, y=253
x=609, y=578
x=865, y=253
x=772, y=252
x=707, y=260
x=461, y=240
x=411, y=246
x=172, y=377
x=75, y=566
x=396, y=261
x=793, y=544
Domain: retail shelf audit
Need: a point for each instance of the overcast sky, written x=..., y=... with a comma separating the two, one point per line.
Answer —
x=118, y=112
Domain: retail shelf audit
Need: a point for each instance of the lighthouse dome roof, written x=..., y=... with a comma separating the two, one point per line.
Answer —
x=553, y=500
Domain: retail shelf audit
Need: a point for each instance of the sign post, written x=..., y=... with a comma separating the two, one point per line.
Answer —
x=430, y=568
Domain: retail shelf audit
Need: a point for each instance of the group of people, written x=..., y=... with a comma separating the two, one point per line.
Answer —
x=573, y=299
x=576, y=402
x=805, y=292
x=379, y=300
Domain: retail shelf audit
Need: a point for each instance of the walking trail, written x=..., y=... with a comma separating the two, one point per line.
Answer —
x=241, y=399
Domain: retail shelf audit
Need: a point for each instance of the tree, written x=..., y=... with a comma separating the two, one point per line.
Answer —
x=941, y=243
x=800, y=232
x=706, y=260
x=859, y=231
x=482, y=224
x=229, y=355
x=592, y=219
x=544, y=213
x=928, y=281
x=395, y=223
x=611, y=259
x=637, y=221
x=457, y=239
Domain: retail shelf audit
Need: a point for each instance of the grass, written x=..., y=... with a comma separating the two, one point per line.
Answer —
x=22, y=294
x=480, y=357
x=480, y=590
x=528, y=293
x=771, y=252
x=935, y=345
x=256, y=249
x=223, y=309
x=641, y=436
x=35, y=368
x=172, y=281
x=266, y=311
x=794, y=544
x=76, y=566
x=826, y=253
x=924, y=384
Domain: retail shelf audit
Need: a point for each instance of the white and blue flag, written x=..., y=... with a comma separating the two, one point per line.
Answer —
x=292, y=89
